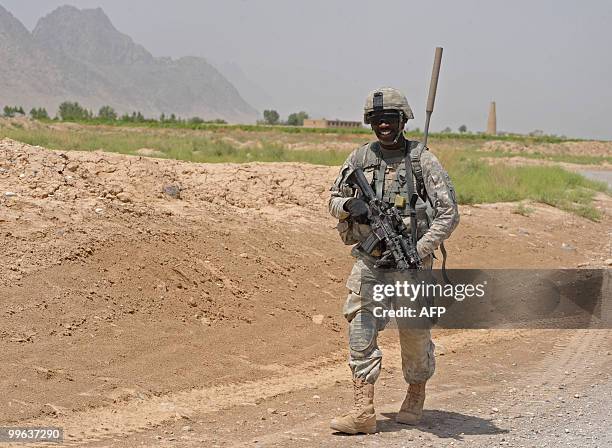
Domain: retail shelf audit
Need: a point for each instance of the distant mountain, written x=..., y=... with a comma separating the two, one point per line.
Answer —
x=252, y=92
x=79, y=55
x=25, y=70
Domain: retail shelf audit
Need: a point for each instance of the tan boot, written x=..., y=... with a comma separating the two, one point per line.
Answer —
x=362, y=418
x=412, y=408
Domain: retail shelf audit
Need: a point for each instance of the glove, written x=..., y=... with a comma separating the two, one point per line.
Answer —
x=357, y=209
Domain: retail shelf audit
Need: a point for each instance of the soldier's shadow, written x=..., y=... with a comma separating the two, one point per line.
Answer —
x=444, y=424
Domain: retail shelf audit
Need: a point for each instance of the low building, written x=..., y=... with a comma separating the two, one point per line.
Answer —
x=323, y=123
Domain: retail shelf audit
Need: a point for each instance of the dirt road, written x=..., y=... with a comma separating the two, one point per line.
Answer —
x=160, y=303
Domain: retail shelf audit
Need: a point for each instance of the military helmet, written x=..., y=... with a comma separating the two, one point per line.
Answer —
x=386, y=98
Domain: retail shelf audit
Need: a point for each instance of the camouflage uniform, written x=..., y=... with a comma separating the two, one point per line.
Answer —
x=435, y=224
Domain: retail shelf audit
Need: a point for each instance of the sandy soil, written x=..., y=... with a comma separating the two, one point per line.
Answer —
x=149, y=302
x=581, y=148
x=524, y=161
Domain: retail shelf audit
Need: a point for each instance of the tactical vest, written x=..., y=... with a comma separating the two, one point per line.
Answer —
x=388, y=186
x=390, y=182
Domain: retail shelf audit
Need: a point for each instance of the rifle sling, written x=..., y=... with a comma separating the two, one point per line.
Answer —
x=415, y=163
x=380, y=178
x=412, y=196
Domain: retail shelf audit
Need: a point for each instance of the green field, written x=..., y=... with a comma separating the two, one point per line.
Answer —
x=215, y=127
x=475, y=180
x=479, y=182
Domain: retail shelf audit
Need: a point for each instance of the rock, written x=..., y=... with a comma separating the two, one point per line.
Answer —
x=9, y=194
x=52, y=409
x=608, y=262
x=192, y=302
x=272, y=411
x=124, y=197
x=501, y=226
x=496, y=410
x=244, y=255
x=316, y=397
x=581, y=265
x=317, y=319
x=115, y=189
x=187, y=428
x=206, y=321
x=174, y=191
x=566, y=246
x=99, y=210
x=522, y=231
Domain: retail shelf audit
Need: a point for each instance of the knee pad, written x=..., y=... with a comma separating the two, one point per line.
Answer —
x=362, y=332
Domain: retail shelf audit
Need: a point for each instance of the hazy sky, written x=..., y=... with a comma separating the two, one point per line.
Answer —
x=546, y=63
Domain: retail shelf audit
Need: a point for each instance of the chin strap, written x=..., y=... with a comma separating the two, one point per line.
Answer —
x=400, y=131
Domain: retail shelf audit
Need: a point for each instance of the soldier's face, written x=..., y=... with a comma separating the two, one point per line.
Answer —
x=386, y=126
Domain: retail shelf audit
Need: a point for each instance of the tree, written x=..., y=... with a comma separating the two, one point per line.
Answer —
x=39, y=114
x=11, y=111
x=107, y=113
x=297, y=119
x=447, y=130
x=463, y=128
x=271, y=116
x=73, y=112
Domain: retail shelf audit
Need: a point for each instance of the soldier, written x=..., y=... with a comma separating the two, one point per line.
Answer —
x=383, y=162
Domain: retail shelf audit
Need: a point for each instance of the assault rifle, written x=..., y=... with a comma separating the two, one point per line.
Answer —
x=387, y=228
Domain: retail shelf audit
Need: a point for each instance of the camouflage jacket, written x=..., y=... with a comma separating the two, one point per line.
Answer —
x=434, y=225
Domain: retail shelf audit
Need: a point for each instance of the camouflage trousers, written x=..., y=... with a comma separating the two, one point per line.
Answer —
x=365, y=357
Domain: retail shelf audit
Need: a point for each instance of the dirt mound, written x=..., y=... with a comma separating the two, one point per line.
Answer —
x=146, y=251
x=65, y=201
x=148, y=152
x=586, y=148
x=526, y=161
x=21, y=122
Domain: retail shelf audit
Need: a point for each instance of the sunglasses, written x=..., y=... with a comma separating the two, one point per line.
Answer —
x=386, y=117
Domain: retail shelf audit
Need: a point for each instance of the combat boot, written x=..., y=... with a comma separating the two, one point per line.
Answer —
x=412, y=408
x=362, y=418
